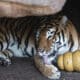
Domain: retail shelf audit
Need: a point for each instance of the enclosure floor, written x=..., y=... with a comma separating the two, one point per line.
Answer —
x=24, y=69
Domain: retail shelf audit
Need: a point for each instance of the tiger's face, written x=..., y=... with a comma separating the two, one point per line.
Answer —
x=48, y=41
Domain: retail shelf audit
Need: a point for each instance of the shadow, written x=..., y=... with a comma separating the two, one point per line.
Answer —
x=72, y=10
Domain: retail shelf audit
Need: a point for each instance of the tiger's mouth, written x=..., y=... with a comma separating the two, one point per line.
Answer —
x=47, y=57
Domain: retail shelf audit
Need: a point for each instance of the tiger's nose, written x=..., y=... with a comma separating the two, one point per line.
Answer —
x=40, y=50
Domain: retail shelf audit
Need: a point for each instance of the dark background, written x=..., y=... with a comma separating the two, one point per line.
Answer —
x=72, y=10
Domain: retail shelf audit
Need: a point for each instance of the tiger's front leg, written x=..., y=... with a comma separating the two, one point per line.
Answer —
x=49, y=71
x=5, y=57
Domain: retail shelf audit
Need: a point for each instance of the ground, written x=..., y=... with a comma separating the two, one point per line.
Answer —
x=24, y=69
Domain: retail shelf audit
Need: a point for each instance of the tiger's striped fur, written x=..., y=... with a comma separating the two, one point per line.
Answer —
x=57, y=37
x=17, y=36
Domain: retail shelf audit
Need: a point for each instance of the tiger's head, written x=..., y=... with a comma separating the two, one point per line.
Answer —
x=50, y=39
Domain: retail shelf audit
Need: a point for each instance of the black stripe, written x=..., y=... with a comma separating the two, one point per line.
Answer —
x=1, y=45
x=27, y=41
x=27, y=38
x=6, y=54
x=49, y=37
x=52, y=54
x=63, y=35
x=3, y=28
x=12, y=28
x=10, y=51
x=20, y=30
x=17, y=30
x=71, y=42
x=26, y=53
x=32, y=51
x=23, y=32
x=59, y=37
x=56, y=30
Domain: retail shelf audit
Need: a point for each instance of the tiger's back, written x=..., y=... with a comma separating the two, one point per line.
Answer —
x=17, y=35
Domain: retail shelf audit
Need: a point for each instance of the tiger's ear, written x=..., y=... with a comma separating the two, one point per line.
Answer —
x=63, y=20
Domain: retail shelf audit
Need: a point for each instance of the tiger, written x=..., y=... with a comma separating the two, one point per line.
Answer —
x=57, y=37
x=18, y=36
x=41, y=35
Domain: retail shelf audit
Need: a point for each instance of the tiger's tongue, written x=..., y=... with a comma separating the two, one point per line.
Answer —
x=46, y=60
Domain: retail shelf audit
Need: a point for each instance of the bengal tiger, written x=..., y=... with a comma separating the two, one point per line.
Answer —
x=18, y=36
x=46, y=36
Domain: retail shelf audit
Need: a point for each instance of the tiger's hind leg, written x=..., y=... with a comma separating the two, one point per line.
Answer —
x=5, y=57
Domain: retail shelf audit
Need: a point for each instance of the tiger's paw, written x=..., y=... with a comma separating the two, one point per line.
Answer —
x=51, y=72
x=5, y=62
